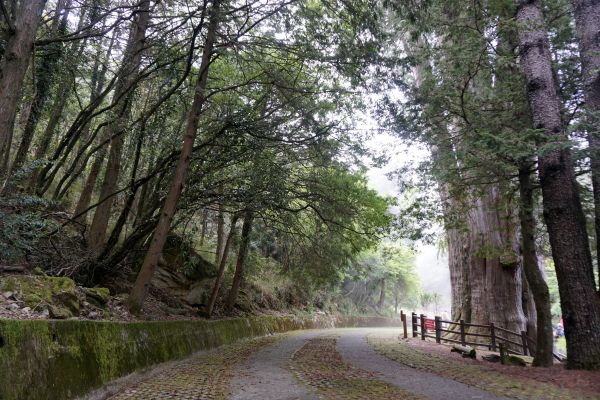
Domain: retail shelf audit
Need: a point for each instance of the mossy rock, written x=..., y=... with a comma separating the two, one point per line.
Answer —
x=57, y=312
x=520, y=361
x=97, y=296
x=36, y=291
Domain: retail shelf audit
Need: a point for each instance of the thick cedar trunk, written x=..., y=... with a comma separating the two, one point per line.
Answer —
x=44, y=78
x=562, y=206
x=241, y=261
x=485, y=273
x=217, y=286
x=535, y=278
x=496, y=286
x=587, y=21
x=14, y=63
x=141, y=286
x=458, y=254
x=133, y=55
x=457, y=235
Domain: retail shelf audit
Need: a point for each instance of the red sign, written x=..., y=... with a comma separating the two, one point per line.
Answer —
x=429, y=324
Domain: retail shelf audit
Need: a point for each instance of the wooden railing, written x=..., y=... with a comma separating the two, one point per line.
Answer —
x=500, y=339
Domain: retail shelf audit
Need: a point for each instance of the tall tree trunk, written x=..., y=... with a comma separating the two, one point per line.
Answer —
x=88, y=189
x=133, y=188
x=114, y=130
x=220, y=235
x=529, y=305
x=485, y=271
x=215, y=291
x=495, y=261
x=64, y=87
x=141, y=286
x=80, y=161
x=562, y=206
x=537, y=284
x=13, y=65
x=240, y=264
x=587, y=22
x=460, y=281
x=44, y=78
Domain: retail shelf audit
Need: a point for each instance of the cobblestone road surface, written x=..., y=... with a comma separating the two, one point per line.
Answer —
x=333, y=364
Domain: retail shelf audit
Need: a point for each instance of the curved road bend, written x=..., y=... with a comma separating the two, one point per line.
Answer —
x=265, y=376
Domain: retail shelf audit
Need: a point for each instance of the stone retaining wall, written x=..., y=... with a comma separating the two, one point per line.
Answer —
x=45, y=359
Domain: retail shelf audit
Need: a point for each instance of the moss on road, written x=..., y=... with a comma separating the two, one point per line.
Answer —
x=319, y=365
x=205, y=376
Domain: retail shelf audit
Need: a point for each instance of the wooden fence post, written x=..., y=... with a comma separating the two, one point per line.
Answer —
x=403, y=318
x=423, y=330
x=493, y=335
x=438, y=332
x=463, y=338
x=502, y=353
x=414, y=324
x=524, y=341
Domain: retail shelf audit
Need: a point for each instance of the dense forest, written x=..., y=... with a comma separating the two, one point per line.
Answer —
x=228, y=139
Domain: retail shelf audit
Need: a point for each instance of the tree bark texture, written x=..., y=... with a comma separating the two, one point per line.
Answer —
x=13, y=65
x=483, y=258
x=496, y=286
x=537, y=284
x=563, y=213
x=587, y=22
x=240, y=264
x=64, y=86
x=90, y=183
x=217, y=286
x=142, y=283
x=114, y=131
x=44, y=77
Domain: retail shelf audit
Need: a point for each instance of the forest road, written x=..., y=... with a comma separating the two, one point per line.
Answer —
x=278, y=372
x=322, y=364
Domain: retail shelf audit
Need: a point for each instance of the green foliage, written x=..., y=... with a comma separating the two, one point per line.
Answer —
x=22, y=225
x=392, y=264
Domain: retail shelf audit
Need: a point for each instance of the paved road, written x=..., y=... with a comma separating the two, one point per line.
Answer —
x=355, y=350
x=331, y=364
x=266, y=374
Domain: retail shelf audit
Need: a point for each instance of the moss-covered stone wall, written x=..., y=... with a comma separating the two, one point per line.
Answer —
x=49, y=360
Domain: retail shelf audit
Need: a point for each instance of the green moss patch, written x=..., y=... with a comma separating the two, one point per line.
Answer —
x=203, y=376
x=319, y=365
x=46, y=359
x=42, y=291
